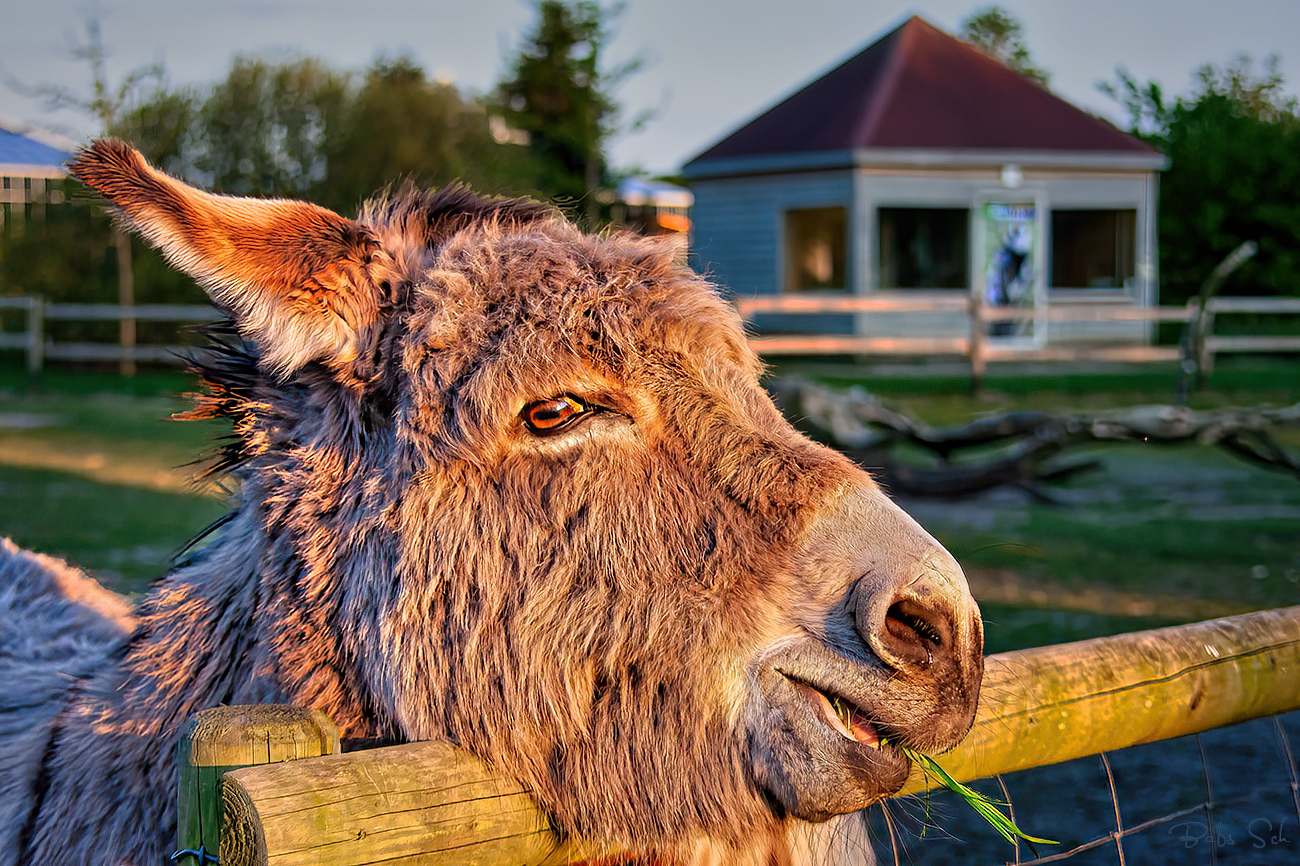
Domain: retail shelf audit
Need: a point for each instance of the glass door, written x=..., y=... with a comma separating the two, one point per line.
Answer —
x=1009, y=268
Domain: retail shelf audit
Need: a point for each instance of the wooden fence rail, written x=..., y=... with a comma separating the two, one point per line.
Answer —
x=429, y=803
x=39, y=347
x=979, y=350
x=975, y=346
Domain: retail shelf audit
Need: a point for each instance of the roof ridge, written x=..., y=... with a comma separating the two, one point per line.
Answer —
x=920, y=89
x=865, y=129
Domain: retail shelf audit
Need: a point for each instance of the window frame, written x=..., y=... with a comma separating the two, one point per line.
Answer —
x=961, y=212
x=787, y=250
x=1068, y=292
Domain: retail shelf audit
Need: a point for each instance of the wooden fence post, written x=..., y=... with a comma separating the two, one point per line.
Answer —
x=978, y=340
x=224, y=738
x=1109, y=693
x=426, y=802
x=35, y=335
x=1204, y=349
x=126, y=326
x=433, y=804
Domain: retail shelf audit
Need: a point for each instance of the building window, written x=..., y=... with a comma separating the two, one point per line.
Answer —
x=816, y=248
x=924, y=248
x=1094, y=249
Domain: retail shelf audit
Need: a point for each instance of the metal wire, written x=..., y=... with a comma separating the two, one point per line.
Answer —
x=1229, y=795
x=201, y=855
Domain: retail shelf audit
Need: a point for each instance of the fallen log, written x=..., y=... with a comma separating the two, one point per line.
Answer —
x=1023, y=448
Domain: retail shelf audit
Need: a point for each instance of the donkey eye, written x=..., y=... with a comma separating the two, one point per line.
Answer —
x=551, y=416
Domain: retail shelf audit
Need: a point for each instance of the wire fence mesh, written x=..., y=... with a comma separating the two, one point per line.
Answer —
x=1228, y=796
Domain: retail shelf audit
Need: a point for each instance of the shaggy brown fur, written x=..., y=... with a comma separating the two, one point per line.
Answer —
x=509, y=486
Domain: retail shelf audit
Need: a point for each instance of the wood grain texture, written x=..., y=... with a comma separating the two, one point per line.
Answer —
x=219, y=739
x=807, y=302
x=814, y=345
x=425, y=803
x=1051, y=704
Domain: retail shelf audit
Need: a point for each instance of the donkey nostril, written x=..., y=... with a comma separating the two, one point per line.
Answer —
x=909, y=626
x=913, y=632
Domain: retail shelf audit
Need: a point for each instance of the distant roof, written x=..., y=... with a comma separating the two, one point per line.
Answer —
x=641, y=190
x=920, y=88
x=26, y=151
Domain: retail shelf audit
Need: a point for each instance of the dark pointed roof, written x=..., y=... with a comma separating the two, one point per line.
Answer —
x=918, y=87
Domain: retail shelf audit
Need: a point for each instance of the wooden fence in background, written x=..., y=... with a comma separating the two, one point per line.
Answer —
x=429, y=803
x=976, y=347
x=35, y=340
x=979, y=350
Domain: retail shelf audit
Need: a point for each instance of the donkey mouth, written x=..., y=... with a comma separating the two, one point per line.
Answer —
x=842, y=716
x=828, y=742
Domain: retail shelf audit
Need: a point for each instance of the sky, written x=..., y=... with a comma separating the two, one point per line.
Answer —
x=707, y=66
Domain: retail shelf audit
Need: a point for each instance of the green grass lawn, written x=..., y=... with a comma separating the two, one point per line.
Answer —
x=125, y=535
x=92, y=470
x=1200, y=522
x=945, y=399
x=1159, y=535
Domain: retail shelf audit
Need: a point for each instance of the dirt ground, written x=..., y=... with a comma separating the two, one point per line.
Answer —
x=1255, y=820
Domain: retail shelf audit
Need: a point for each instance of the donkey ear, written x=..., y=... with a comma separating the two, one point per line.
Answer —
x=295, y=276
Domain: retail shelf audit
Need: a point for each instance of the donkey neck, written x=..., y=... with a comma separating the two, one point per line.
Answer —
x=244, y=620
x=198, y=642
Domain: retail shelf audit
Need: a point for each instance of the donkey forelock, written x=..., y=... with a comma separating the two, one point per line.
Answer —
x=517, y=487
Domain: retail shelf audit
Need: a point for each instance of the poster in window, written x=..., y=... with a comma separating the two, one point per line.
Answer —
x=1010, y=274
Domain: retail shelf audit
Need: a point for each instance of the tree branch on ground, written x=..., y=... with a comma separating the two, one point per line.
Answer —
x=1021, y=449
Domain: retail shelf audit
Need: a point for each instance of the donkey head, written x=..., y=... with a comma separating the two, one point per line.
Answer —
x=521, y=490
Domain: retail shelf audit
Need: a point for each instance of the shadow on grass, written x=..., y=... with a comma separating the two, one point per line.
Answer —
x=124, y=535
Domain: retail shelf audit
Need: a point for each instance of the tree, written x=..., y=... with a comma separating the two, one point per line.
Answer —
x=106, y=103
x=558, y=91
x=399, y=124
x=263, y=130
x=300, y=129
x=295, y=128
x=162, y=127
x=1234, y=150
x=999, y=34
x=1144, y=102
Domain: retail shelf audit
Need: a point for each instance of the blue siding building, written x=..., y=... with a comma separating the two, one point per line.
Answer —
x=31, y=164
x=921, y=165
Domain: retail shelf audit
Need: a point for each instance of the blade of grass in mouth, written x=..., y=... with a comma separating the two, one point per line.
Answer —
x=988, y=809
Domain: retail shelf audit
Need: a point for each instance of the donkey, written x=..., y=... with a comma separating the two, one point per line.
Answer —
x=506, y=485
